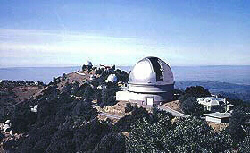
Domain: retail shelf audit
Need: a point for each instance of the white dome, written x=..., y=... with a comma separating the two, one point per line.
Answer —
x=152, y=71
x=111, y=78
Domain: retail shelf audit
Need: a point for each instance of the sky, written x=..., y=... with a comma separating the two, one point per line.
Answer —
x=182, y=32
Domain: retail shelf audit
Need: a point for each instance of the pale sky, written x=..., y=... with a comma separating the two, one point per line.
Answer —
x=63, y=33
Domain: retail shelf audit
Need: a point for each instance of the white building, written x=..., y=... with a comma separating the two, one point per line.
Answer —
x=33, y=109
x=151, y=82
x=7, y=126
x=218, y=117
x=214, y=104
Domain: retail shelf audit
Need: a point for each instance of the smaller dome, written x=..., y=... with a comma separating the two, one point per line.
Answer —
x=111, y=78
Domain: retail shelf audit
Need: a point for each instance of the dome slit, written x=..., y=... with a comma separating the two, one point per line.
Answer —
x=157, y=68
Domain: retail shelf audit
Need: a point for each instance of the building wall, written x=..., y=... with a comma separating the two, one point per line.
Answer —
x=122, y=95
x=148, y=88
x=212, y=119
x=141, y=98
x=160, y=93
x=158, y=97
x=217, y=120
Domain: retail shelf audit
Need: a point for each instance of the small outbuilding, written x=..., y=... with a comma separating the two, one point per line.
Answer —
x=33, y=109
x=218, y=117
x=215, y=104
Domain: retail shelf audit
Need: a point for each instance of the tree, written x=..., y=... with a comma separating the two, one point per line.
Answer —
x=83, y=109
x=122, y=75
x=108, y=97
x=194, y=135
x=1, y=136
x=186, y=135
x=235, y=102
x=197, y=91
x=125, y=123
x=244, y=146
x=191, y=106
x=22, y=118
x=88, y=93
x=128, y=108
x=238, y=118
x=112, y=142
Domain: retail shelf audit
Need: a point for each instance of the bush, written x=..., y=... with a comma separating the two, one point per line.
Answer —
x=197, y=92
x=186, y=135
x=244, y=146
x=111, y=143
x=128, y=108
x=237, y=119
x=125, y=123
x=191, y=106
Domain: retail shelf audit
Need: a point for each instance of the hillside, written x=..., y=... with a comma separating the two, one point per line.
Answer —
x=15, y=92
x=74, y=114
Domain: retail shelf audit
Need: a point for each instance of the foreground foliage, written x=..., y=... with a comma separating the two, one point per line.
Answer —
x=186, y=135
x=67, y=122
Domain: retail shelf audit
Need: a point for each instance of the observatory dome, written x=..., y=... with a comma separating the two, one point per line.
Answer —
x=151, y=82
x=151, y=70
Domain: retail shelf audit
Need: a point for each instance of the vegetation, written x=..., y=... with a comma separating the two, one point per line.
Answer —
x=244, y=146
x=191, y=107
x=237, y=124
x=8, y=98
x=66, y=121
x=186, y=135
x=197, y=92
x=188, y=102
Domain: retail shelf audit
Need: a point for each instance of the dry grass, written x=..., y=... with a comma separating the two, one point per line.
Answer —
x=24, y=92
x=218, y=126
x=175, y=105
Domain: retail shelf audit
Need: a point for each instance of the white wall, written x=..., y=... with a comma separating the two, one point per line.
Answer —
x=212, y=119
x=122, y=95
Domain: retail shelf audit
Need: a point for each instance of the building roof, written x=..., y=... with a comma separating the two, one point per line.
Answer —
x=219, y=115
x=210, y=101
x=151, y=70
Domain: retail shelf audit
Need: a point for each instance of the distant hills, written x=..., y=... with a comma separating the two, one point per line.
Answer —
x=224, y=80
x=226, y=89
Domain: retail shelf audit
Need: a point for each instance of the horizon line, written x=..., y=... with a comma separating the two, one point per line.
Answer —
x=73, y=65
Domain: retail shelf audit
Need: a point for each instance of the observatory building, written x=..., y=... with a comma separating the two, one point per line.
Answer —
x=151, y=82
